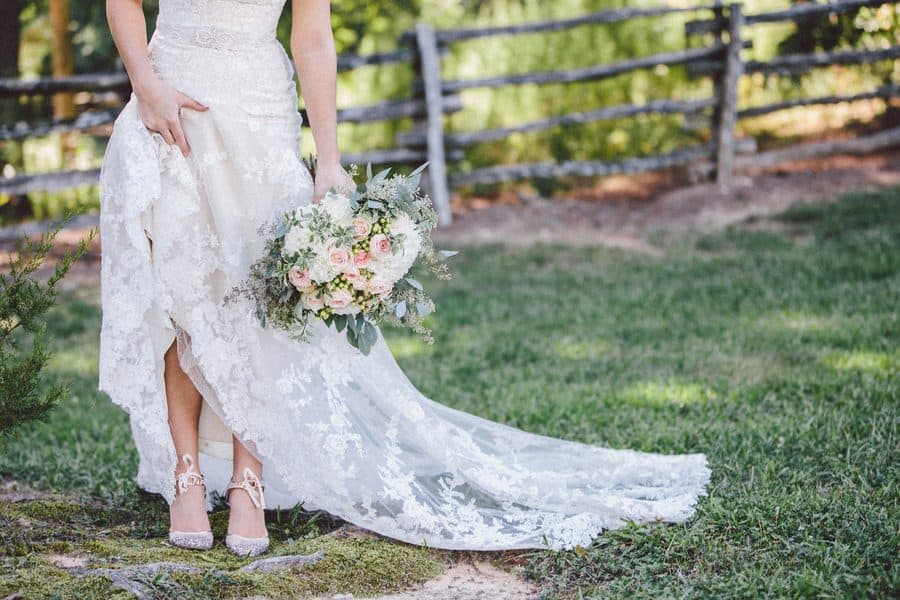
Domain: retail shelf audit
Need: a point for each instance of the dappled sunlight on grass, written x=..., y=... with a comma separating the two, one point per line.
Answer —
x=666, y=394
x=803, y=322
x=465, y=338
x=582, y=349
x=876, y=363
x=406, y=346
x=75, y=361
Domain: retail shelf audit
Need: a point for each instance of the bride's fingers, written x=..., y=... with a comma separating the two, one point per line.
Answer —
x=187, y=101
x=180, y=140
x=166, y=135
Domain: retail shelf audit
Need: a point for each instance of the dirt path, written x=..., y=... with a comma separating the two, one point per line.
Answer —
x=464, y=581
x=626, y=212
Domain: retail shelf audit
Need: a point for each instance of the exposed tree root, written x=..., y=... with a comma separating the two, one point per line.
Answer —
x=134, y=578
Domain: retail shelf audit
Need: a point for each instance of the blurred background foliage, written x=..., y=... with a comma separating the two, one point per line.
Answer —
x=365, y=26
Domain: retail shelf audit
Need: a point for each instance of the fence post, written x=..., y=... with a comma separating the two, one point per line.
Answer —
x=728, y=97
x=430, y=71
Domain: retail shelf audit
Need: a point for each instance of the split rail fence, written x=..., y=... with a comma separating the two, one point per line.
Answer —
x=434, y=97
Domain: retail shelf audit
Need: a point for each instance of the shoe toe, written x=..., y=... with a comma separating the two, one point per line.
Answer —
x=243, y=546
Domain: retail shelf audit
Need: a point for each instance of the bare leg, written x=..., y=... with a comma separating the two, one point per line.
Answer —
x=244, y=518
x=188, y=512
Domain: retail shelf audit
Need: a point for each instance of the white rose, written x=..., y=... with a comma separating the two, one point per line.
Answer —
x=412, y=241
x=402, y=223
x=295, y=239
x=321, y=271
x=337, y=206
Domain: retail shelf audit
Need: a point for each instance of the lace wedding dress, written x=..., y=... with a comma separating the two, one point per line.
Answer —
x=336, y=430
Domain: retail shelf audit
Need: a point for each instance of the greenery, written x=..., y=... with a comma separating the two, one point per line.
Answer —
x=24, y=301
x=369, y=26
x=773, y=347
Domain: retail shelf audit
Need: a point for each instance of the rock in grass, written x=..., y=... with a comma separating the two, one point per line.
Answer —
x=293, y=561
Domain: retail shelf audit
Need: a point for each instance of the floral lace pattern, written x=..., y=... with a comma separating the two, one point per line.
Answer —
x=339, y=431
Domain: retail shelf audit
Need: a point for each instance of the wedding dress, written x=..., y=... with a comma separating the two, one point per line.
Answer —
x=336, y=430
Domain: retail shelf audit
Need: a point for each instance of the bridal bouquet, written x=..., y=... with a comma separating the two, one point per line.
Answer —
x=347, y=259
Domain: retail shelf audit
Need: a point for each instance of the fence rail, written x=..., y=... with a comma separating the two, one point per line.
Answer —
x=421, y=50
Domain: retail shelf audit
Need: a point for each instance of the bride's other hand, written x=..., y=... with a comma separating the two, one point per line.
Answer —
x=159, y=108
x=158, y=103
x=332, y=176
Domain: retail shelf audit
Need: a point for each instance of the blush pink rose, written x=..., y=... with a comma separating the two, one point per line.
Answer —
x=313, y=302
x=378, y=285
x=361, y=227
x=356, y=280
x=299, y=278
x=339, y=299
x=339, y=257
x=362, y=259
x=380, y=245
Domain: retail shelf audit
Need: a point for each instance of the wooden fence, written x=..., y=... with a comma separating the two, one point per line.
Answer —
x=433, y=97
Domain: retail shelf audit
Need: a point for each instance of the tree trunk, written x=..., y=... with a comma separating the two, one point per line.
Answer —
x=10, y=33
x=10, y=30
x=63, y=56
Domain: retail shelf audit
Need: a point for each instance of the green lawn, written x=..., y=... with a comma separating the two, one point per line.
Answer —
x=771, y=347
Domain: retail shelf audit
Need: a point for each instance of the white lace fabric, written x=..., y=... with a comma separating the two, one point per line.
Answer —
x=339, y=431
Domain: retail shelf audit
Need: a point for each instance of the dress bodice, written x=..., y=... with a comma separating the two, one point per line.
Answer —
x=221, y=20
x=225, y=52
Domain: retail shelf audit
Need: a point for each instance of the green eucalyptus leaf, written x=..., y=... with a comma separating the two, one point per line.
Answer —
x=414, y=283
x=367, y=337
x=352, y=338
x=400, y=309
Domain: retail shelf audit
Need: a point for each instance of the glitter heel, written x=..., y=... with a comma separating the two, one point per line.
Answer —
x=238, y=544
x=194, y=540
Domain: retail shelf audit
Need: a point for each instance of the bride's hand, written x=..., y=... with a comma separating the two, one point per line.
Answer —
x=159, y=106
x=331, y=176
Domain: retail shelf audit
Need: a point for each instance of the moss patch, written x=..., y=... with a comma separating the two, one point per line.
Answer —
x=36, y=530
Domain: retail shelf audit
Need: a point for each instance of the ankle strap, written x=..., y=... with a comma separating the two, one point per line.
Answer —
x=189, y=477
x=252, y=485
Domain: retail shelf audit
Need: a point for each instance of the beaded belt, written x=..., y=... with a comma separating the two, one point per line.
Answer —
x=213, y=37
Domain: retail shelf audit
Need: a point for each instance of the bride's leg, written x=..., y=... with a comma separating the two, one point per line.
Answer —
x=244, y=518
x=188, y=512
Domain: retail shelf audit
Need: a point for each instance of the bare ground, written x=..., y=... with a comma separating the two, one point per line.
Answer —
x=478, y=580
x=626, y=212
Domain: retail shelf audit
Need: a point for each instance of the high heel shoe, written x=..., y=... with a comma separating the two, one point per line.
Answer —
x=238, y=544
x=195, y=540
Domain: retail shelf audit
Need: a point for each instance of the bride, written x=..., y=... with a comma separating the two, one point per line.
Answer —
x=206, y=151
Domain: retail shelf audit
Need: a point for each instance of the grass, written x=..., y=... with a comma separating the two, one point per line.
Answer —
x=774, y=351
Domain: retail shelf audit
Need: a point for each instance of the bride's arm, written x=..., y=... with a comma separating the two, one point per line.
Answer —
x=312, y=46
x=158, y=103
